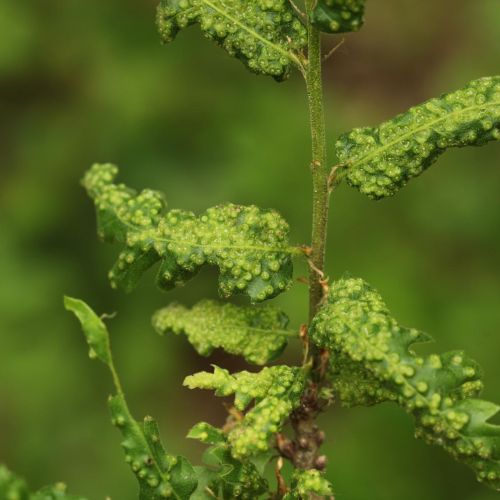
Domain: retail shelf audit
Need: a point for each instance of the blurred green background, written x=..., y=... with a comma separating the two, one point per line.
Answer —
x=84, y=81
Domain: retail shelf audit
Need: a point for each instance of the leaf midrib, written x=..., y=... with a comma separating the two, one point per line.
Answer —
x=266, y=249
x=292, y=57
x=401, y=138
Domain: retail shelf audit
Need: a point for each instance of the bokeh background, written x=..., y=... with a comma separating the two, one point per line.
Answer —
x=85, y=81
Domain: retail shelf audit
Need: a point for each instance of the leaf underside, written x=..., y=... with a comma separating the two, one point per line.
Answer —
x=381, y=160
x=338, y=16
x=249, y=245
x=357, y=328
x=159, y=474
x=256, y=333
x=265, y=35
x=276, y=391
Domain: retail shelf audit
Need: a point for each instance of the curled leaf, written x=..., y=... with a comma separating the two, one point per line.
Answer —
x=276, y=391
x=249, y=245
x=381, y=160
x=438, y=390
x=257, y=334
x=265, y=35
x=93, y=327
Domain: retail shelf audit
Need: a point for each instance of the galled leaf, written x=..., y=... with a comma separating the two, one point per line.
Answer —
x=306, y=483
x=338, y=16
x=207, y=434
x=276, y=391
x=249, y=245
x=356, y=326
x=265, y=35
x=381, y=160
x=159, y=474
x=257, y=334
x=224, y=476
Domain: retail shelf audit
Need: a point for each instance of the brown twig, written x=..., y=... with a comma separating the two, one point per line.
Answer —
x=333, y=50
x=282, y=488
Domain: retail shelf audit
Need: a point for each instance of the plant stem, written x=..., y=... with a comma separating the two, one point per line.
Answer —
x=318, y=169
x=304, y=449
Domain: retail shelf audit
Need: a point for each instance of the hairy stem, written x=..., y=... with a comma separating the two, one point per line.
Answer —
x=304, y=449
x=318, y=169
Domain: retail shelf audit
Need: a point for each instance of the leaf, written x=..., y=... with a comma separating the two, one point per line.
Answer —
x=266, y=36
x=381, y=160
x=207, y=434
x=205, y=479
x=338, y=16
x=438, y=390
x=248, y=245
x=224, y=476
x=55, y=492
x=159, y=474
x=276, y=391
x=93, y=328
x=306, y=483
x=13, y=487
x=257, y=334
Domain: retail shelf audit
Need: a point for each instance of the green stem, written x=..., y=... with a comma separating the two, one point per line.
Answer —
x=318, y=168
x=308, y=436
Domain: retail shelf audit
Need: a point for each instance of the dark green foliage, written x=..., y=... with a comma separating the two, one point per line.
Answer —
x=339, y=16
x=257, y=334
x=437, y=390
x=224, y=476
x=13, y=487
x=265, y=35
x=159, y=474
x=381, y=160
x=276, y=391
x=249, y=245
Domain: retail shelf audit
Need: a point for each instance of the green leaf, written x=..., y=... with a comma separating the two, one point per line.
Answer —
x=381, y=160
x=224, y=476
x=13, y=487
x=338, y=16
x=249, y=245
x=234, y=478
x=55, y=492
x=257, y=334
x=206, y=481
x=93, y=328
x=276, y=391
x=159, y=474
x=306, y=483
x=207, y=434
x=437, y=390
x=265, y=35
